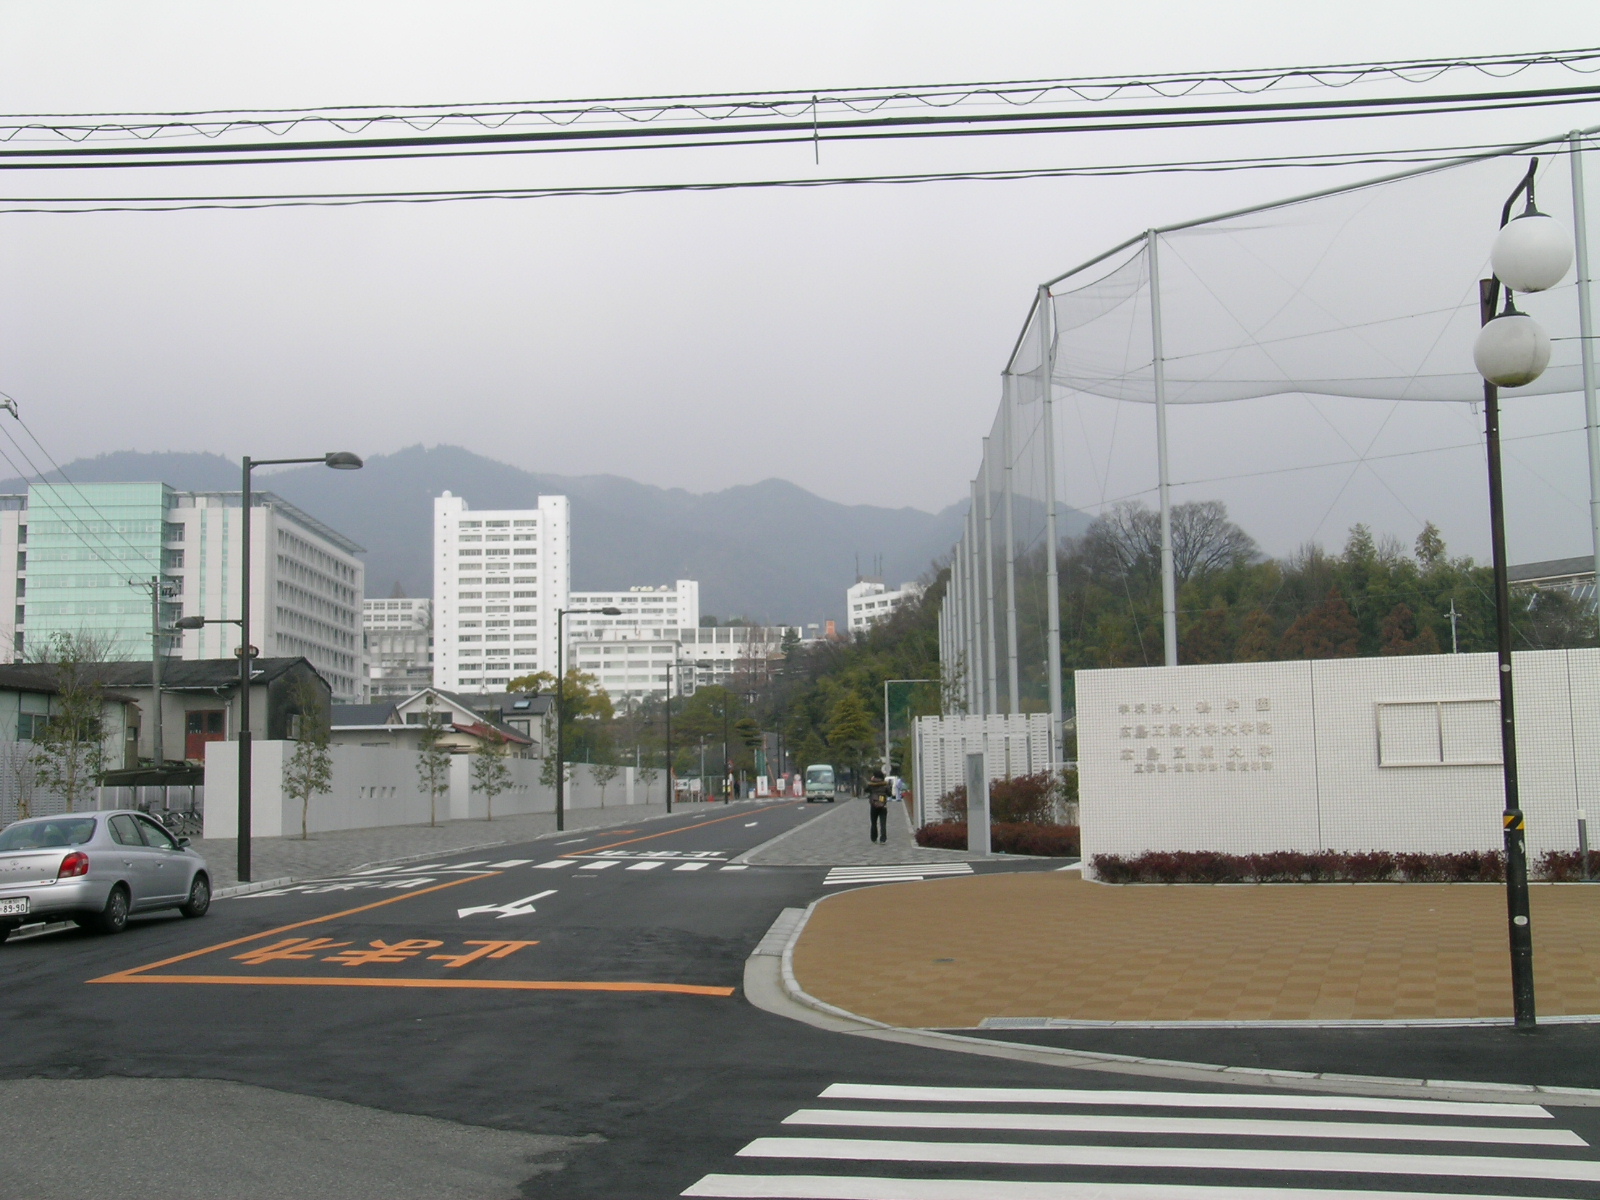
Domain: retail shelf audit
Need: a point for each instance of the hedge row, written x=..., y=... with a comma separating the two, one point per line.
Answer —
x=1292, y=866
x=1048, y=841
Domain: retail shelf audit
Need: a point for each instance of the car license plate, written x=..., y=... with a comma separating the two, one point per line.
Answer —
x=14, y=906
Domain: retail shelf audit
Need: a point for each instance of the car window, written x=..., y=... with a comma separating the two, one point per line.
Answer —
x=156, y=836
x=46, y=835
x=124, y=832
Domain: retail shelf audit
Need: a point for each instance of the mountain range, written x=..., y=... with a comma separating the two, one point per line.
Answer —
x=770, y=552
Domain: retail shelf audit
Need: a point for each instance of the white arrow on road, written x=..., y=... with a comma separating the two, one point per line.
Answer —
x=516, y=908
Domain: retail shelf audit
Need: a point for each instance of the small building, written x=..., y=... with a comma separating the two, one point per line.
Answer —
x=465, y=724
x=1574, y=576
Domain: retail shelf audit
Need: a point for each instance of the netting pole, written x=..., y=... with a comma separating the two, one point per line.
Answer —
x=968, y=596
x=990, y=639
x=1169, y=582
x=1052, y=584
x=1591, y=419
x=981, y=670
x=1012, y=684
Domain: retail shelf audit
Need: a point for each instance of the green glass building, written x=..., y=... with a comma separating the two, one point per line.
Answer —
x=92, y=549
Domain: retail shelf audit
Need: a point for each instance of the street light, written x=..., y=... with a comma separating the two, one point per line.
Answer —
x=1531, y=254
x=561, y=688
x=341, y=460
x=672, y=678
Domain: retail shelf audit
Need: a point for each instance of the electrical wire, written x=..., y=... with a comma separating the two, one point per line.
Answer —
x=562, y=141
x=263, y=200
x=727, y=106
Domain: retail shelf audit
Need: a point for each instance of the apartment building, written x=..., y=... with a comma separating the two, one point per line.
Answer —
x=666, y=606
x=499, y=578
x=397, y=634
x=868, y=601
x=84, y=554
x=634, y=663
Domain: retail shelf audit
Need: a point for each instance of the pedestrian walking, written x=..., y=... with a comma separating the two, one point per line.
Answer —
x=878, y=806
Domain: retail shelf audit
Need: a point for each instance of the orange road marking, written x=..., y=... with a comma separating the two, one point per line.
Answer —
x=665, y=833
x=123, y=976
x=526, y=985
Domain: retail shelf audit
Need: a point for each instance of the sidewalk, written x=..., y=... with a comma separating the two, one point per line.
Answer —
x=839, y=838
x=344, y=849
x=950, y=953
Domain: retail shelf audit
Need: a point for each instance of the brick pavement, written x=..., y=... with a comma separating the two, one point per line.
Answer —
x=949, y=953
x=343, y=849
x=840, y=839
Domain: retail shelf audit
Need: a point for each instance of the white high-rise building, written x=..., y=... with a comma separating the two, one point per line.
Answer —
x=397, y=632
x=674, y=606
x=868, y=601
x=499, y=577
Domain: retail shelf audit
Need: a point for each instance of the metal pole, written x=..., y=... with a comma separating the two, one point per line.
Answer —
x=1052, y=584
x=245, y=830
x=1521, y=931
x=727, y=763
x=1169, y=583
x=561, y=690
x=672, y=674
x=1013, y=686
x=1591, y=411
x=991, y=641
x=158, y=743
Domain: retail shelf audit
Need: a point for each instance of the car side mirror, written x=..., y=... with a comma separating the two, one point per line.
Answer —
x=183, y=843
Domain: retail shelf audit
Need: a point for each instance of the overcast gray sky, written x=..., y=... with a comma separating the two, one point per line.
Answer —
x=846, y=339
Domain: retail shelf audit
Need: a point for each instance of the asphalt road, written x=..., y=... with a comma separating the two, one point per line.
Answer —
x=496, y=1027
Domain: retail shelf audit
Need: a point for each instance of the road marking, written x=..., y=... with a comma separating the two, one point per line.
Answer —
x=847, y=1187
x=482, y=862
x=554, y=863
x=1286, y=1101
x=691, y=866
x=524, y=985
x=1188, y=1126
x=603, y=865
x=1171, y=1157
x=572, y=842
x=737, y=867
x=750, y=825
x=513, y=908
x=901, y=874
x=700, y=820
x=644, y=866
x=509, y=863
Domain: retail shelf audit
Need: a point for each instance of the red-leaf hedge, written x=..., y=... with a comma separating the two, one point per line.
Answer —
x=1047, y=841
x=1326, y=866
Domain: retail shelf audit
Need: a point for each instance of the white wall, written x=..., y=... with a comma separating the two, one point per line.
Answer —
x=1251, y=757
x=1012, y=746
x=378, y=786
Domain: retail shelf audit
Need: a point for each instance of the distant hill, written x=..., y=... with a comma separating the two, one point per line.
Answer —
x=771, y=551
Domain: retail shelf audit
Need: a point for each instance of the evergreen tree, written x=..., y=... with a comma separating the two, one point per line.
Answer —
x=1258, y=642
x=309, y=769
x=1399, y=634
x=851, y=735
x=433, y=759
x=1328, y=631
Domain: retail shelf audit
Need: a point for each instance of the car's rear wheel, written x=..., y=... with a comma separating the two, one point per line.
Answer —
x=113, y=918
x=199, y=898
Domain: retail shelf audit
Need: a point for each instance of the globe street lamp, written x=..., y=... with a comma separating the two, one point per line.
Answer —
x=561, y=690
x=341, y=460
x=1531, y=254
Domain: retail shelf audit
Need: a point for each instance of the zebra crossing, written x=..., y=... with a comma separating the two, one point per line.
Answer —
x=878, y=1142
x=899, y=874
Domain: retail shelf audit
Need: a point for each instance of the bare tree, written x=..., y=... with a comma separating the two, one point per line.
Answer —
x=490, y=775
x=433, y=760
x=70, y=756
x=1125, y=542
x=309, y=769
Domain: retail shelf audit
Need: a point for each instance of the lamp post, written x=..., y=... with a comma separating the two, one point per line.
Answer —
x=887, y=764
x=561, y=690
x=338, y=461
x=672, y=678
x=1531, y=254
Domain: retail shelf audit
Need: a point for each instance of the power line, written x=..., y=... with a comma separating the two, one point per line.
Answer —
x=569, y=140
x=176, y=203
x=726, y=106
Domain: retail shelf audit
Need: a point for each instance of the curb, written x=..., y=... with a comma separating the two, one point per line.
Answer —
x=245, y=889
x=768, y=971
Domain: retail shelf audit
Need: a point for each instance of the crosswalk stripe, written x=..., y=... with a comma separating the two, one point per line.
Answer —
x=906, y=869
x=847, y=1187
x=1188, y=1126
x=554, y=863
x=644, y=866
x=509, y=863
x=691, y=866
x=1285, y=1100
x=1185, y=1157
x=603, y=865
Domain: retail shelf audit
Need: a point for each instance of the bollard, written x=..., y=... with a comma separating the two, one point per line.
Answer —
x=1583, y=844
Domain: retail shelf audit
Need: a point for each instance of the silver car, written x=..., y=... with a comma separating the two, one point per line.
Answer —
x=96, y=868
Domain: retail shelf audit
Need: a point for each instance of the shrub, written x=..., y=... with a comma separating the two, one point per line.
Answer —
x=1022, y=799
x=1565, y=866
x=1047, y=841
x=1321, y=866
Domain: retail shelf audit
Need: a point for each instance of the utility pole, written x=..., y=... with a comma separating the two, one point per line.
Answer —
x=157, y=654
x=727, y=763
x=1453, y=648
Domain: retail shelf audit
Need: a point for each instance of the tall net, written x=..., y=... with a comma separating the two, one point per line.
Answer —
x=1369, y=292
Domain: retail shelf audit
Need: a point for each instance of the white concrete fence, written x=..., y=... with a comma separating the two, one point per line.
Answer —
x=374, y=786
